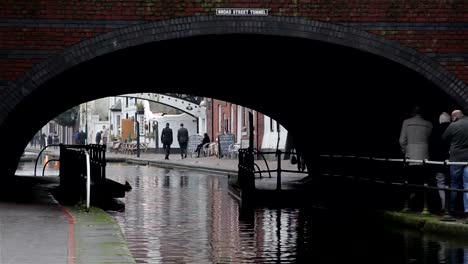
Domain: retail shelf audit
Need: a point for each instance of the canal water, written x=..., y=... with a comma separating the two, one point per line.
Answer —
x=182, y=216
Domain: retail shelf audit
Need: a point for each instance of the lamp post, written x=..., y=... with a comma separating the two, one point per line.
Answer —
x=137, y=134
x=86, y=123
x=156, y=139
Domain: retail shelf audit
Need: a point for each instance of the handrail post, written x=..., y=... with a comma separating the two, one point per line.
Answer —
x=88, y=181
x=103, y=169
x=278, y=171
x=425, y=211
x=387, y=170
x=406, y=208
x=447, y=217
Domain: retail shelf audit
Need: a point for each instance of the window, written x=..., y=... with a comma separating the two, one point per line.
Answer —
x=244, y=117
x=232, y=118
x=219, y=119
x=226, y=123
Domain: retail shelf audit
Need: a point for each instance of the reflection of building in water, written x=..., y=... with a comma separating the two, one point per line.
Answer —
x=278, y=228
x=182, y=218
x=137, y=216
x=224, y=231
x=264, y=234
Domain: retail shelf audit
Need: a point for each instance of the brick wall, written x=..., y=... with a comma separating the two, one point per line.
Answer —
x=31, y=31
x=259, y=121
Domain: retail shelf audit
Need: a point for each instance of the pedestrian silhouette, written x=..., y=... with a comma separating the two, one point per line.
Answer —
x=457, y=134
x=414, y=141
x=166, y=139
x=439, y=151
x=182, y=138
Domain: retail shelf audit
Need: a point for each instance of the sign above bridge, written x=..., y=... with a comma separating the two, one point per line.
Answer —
x=241, y=11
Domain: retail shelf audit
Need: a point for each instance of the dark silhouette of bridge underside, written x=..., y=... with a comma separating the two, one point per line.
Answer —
x=332, y=98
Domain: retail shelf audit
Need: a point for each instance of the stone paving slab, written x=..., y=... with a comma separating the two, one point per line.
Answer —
x=32, y=230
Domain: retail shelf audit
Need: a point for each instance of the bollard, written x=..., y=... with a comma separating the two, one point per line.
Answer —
x=447, y=217
x=425, y=211
x=406, y=208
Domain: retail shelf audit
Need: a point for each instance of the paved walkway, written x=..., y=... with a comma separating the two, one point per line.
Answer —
x=35, y=229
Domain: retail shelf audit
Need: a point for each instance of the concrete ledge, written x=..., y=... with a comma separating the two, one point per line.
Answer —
x=427, y=224
x=98, y=238
x=172, y=164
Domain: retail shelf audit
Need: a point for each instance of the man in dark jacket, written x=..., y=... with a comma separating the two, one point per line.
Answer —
x=182, y=138
x=457, y=135
x=98, y=137
x=166, y=139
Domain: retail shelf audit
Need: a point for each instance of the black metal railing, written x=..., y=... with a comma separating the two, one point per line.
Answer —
x=248, y=168
x=39, y=156
x=71, y=153
x=73, y=168
x=392, y=172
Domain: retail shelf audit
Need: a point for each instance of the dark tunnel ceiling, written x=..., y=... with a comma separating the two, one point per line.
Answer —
x=347, y=98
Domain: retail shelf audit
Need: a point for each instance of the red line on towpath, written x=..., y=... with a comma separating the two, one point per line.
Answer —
x=71, y=236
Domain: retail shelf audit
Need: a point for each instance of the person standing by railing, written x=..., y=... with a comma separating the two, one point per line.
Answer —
x=414, y=142
x=439, y=151
x=457, y=135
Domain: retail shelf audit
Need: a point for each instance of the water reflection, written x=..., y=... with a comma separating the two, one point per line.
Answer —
x=186, y=217
x=175, y=216
x=27, y=168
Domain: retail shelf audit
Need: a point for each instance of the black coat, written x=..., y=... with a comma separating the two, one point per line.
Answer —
x=205, y=140
x=166, y=136
x=439, y=148
x=182, y=136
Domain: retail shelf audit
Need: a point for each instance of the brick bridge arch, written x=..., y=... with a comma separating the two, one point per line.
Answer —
x=184, y=27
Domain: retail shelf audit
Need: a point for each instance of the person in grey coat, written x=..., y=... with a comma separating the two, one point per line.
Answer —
x=182, y=138
x=457, y=134
x=166, y=139
x=414, y=141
